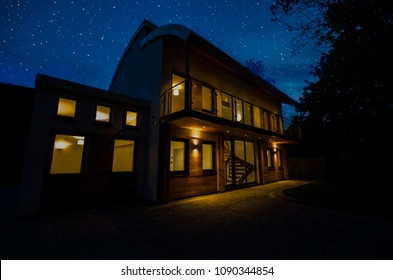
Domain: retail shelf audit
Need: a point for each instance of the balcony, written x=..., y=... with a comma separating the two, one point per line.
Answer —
x=214, y=102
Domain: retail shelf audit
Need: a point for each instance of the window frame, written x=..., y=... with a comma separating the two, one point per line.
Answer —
x=279, y=159
x=62, y=117
x=52, y=146
x=213, y=170
x=134, y=158
x=104, y=123
x=137, y=125
x=212, y=99
x=186, y=156
x=271, y=158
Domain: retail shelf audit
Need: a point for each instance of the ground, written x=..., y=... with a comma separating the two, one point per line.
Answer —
x=253, y=223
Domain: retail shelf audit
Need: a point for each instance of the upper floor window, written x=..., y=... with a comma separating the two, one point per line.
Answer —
x=132, y=118
x=178, y=93
x=67, y=154
x=247, y=114
x=123, y=156
x=224, y=106
x=207, y=99
x=257, y=116
x=66, y=107
x=103, y=113
x=238, y=110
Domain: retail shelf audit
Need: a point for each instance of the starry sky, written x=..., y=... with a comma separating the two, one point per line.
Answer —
x=83, y=40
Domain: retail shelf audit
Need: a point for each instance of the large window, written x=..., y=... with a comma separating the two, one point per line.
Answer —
x=66, y=107
x=257, y=116
x=207, y=156
x=178, y=156
x=239, y=162
x=247, y=114
x=67, y=154
x=123, y=156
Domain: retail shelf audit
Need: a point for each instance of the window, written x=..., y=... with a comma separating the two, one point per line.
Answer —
x=103, y=113
x=178, y=156
x=207, y=156
x=66, y=107
x=257, y=116
x=269, y=155
x=207, y=99
x=265, y=120
x=123, y=156
x=224, y=106
x=238, y=110
x=247, y=114
x=279, y=161
x=178, y=93
x=67, y=154
x=132, y=118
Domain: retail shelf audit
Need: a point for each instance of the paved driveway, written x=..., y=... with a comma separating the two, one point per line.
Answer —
x=251, y=223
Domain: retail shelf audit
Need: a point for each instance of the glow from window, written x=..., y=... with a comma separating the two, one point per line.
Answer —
x=103, y=113
x=66, y=107
x=131, y=118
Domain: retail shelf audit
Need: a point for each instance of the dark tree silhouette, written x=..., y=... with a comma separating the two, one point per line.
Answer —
x=258, y=68
x=351, y=103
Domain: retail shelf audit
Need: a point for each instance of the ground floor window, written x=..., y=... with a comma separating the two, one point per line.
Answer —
x=178, y=156
x=67, y=154
x=123, y=156
x=279, y=159
x=269, y=158
x=208, y=156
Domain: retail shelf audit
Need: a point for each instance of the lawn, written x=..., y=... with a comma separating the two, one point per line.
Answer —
x=356, y=196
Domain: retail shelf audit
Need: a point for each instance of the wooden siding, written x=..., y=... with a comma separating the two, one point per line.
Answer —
x=186, y=186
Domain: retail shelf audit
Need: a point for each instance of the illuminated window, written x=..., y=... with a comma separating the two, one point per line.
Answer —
x=207, y=99
x=66, y=107
x=103, y=113
x=207, y=156
x=224, y=106
x=257, y=116
x=67, y=154
x=123, y=156
x=238, y=110
x=279, y=161
x=269, y=155
x=265, y=120
x=178, y=156
x=178, y=93
x=247, y=114
x=132, y=118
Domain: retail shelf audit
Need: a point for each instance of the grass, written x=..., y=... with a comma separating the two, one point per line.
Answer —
x=356, y=196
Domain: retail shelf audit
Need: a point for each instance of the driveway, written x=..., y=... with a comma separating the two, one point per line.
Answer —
x=250, y=223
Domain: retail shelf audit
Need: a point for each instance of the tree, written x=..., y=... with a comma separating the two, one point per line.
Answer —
x=351, y=103
x=258, y=68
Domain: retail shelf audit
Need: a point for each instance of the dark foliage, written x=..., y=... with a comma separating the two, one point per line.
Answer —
x=349, y=109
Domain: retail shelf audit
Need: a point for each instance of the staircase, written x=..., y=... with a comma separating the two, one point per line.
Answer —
x=242, y=170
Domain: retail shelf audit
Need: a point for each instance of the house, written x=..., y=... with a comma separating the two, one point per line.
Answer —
x=181, y=118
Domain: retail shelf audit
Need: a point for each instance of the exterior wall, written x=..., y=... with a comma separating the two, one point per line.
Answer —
x=195, y=182
x=272, y=174
x=41, y=190
x=139, y=75
x=215, y=74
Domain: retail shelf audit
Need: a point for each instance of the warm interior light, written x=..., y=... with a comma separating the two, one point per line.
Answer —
x=61, y=144
x=239, y=117
x=176, y=92
x=81, y=142
x=101, y=116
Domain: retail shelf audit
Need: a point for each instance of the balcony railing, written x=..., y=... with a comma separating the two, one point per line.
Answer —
x=214, y=102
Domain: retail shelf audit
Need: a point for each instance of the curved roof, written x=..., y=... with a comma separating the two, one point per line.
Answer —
x=177, y=30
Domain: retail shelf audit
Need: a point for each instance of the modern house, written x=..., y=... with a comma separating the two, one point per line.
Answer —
x=181, y=118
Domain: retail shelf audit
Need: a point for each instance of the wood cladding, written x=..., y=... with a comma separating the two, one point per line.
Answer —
x=186, y=186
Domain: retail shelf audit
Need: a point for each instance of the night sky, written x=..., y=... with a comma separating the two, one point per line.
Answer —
x=83, y=40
